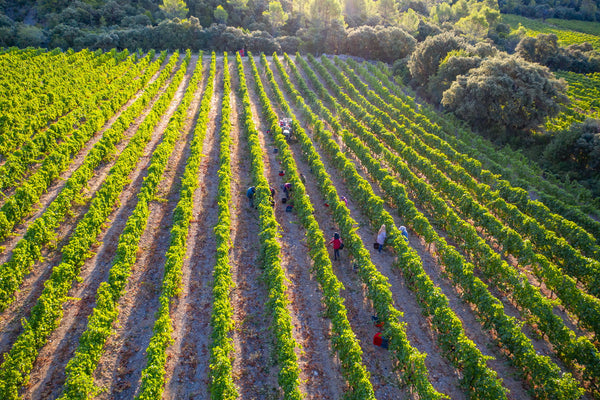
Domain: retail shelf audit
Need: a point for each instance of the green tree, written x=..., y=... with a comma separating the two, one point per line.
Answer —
x=474, y=26
x=425, y=60
x=539, y=49
x=505, y=94
x=441, y=13
x=324, y=12
x=576, y=149
x=238, y=5
x=299, y=6
x=589, y=9
x=48, y=6
x=276, y=16
x=238, y=10
x=460, y=9
x=355, y=10
x=174, y=9
x=456, y=63
x=409, y=21
x=30, y=35
x=388, y=10
x=221, y=15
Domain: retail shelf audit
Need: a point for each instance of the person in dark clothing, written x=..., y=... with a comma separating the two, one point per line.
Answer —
x=250, y=194
x=287, y=189
x=272, y=197
x=337, y=244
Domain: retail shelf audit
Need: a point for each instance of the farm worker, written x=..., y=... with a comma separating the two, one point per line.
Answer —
x=404, y=233
x=381, y=235
x=343, y=198
x=376, y=321
x=250, y=194
x=287, y=189
x=272, y=197
x=380, y=340
x=337, y=245
x=302, y=178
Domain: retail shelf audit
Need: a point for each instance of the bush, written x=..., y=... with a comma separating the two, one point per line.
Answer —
x=576, y=149
x=8, y=31
x=288, y=44
x=544, y=49
x=505, y=94
x=426, y=30
x=132, y=21
x=394, y=43
x=64, y=36
x=400, y=68
x=425, y=60
x=29, y=35
x=260, y=41
x=456, y=63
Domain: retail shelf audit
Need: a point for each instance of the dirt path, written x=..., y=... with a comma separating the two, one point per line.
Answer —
x=463, y=311
x=48, y=373
x=320, y=369
x=32, y=285
x=378, y=362
x=120, y=367
x=254, y=370
x=188, y=357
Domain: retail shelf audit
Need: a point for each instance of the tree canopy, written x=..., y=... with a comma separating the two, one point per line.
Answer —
x=425, y=60
x=174, y=8
x=505, y=94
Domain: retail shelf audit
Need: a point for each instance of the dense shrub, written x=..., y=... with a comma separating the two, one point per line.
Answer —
x=289, y=44
x=260, y=41
x=456, y=63
x=576, y=149
x=8, y=31
x=505, y=95
x=544, y=49
x=425, y=60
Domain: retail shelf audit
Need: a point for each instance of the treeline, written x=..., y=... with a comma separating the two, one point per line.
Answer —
x=385, y=30
x=583, y=10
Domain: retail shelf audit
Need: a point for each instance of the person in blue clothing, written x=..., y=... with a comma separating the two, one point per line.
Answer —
x=404, y=233
x=250, y=194
x=381, y=236
x=287, y=190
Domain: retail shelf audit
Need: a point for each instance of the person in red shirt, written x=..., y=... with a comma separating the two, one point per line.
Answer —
x=381, y=341
x=337, y=245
